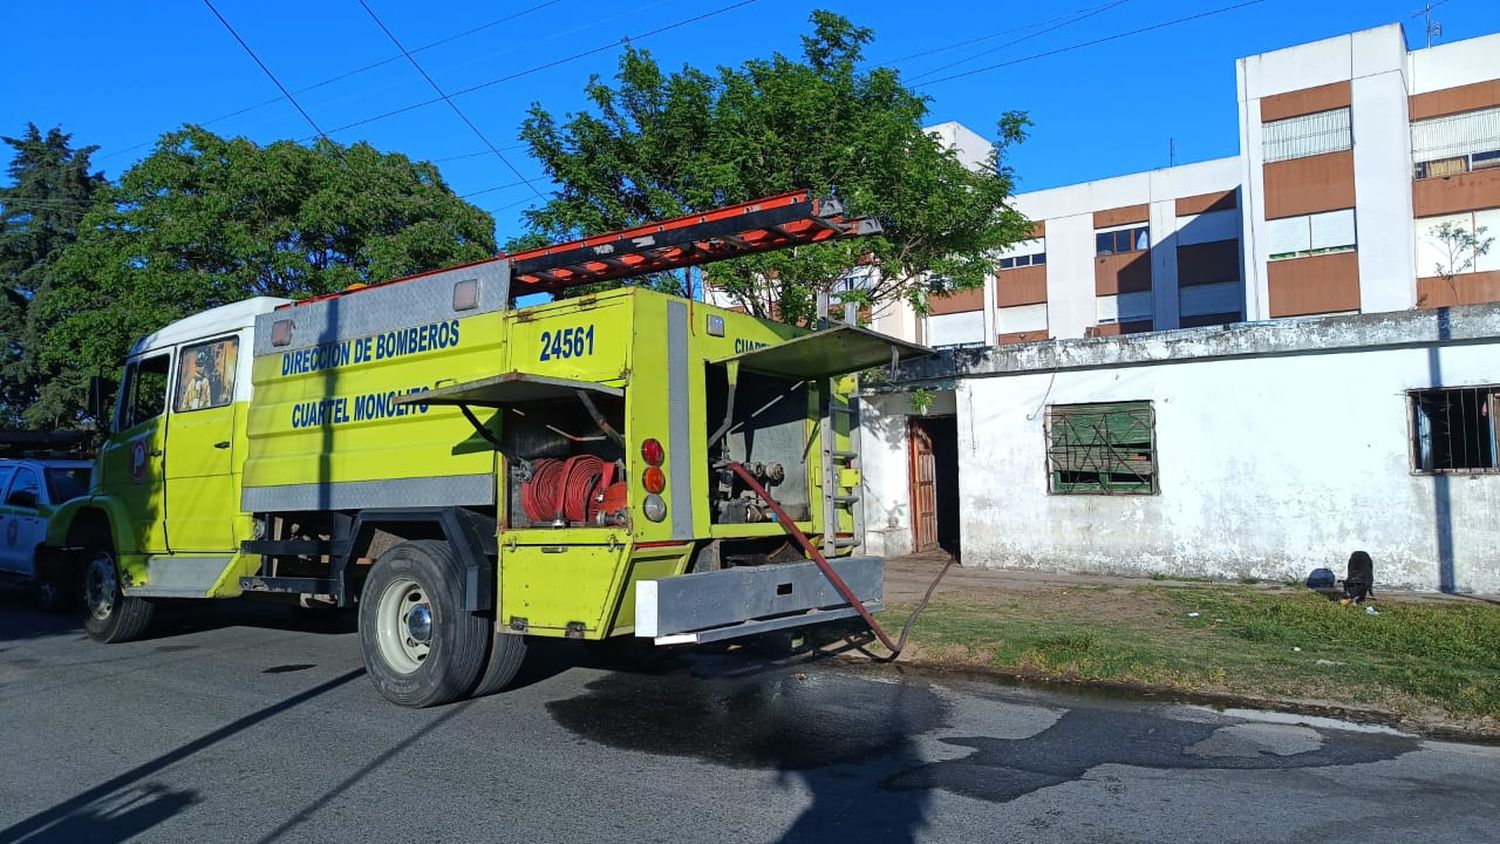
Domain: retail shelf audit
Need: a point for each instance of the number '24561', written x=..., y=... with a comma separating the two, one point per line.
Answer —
x=567, y=343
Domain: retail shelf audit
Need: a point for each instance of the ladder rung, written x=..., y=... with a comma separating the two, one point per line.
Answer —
x=845, y=543
x=843, y=499
x=844, y=455
x=840, y=408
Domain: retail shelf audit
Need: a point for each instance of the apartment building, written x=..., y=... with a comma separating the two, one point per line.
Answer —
x=1355, y=153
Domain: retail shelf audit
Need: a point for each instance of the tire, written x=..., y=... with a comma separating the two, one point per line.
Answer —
x=507, y=652
x=421, y=647
x=110, y=616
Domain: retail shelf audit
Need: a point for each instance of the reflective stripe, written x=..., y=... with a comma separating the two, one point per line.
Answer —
x=380, y=309
x=454, y=490
x=679, y=427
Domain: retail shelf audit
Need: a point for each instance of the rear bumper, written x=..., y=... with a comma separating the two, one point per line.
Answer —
x=732, y=603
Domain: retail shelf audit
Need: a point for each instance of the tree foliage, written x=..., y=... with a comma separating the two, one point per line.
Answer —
x=658, y=144
x=51, y=189
x=204, y=221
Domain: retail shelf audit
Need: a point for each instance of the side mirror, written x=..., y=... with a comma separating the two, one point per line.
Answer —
x=22, y=498
x=101, y=390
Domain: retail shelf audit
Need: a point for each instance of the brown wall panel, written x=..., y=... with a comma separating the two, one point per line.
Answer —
x=1208, y=263
x=1451, y=194
x=1021, y=286
x=1455, y=100
x=1122, y=272
x=1466, y=289
x=1122, y=216
x=1305, y=101
x=1115, y=329
x=1205, y=202
x=1317, y=284
x=957, y=303
x=1309, y=185
x=1038, y=229
x=1208, y=319
x=1021, y=337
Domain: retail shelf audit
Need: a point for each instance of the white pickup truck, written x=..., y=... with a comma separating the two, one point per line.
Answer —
x=29, y=491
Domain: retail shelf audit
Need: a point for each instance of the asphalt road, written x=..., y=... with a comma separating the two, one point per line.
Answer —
x=234, y=724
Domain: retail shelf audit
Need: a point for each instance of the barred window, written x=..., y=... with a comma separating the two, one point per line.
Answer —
x=1454, y=430
x=1456, y=143
x=1309, y=134
x=1101, y=449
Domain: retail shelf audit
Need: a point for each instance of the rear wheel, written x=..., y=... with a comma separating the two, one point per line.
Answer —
x=507, y=652
x=111, y=616
x=421, y=647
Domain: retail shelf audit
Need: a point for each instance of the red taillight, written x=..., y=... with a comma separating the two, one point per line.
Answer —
x=654, y=479
x=652, y=452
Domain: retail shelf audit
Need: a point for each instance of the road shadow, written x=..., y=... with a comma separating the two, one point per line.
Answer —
x=143, y=806
x=21, y=619
x=863, y=744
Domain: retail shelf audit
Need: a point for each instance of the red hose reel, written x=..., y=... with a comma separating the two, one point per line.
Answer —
x=578, y=490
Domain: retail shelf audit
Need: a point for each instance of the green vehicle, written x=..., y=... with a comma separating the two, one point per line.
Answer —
x=469, y=474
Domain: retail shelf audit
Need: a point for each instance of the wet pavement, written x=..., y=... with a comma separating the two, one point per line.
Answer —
x=237, y=723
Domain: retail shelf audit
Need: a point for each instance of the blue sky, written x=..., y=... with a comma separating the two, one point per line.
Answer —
x=120, y=74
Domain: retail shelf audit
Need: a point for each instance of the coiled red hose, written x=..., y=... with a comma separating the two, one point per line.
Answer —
x=562, y=489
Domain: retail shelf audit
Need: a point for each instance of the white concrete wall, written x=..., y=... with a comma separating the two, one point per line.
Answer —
x=972, y=148
x=1451, y=65
x=1269, y=467
x=1382, y=171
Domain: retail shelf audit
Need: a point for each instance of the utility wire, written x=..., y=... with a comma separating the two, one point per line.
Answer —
x=447, y=99
x=957, y=44
x=284, y=91
x=355, y=72
x=554, y=63
x=1081, y=45
x=1082, y=15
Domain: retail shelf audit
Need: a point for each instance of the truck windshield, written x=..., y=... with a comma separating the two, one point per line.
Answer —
x=66, y=483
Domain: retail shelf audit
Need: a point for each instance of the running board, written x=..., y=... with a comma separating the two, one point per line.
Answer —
x=747, y=600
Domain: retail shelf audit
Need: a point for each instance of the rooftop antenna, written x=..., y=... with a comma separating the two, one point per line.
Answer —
x=1434, y=28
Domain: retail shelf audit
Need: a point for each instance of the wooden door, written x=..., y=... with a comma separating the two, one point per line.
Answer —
x=924, y=528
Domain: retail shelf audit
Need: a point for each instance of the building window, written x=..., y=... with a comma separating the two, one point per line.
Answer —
x=1312, y=234
x=1101, y=449
x=1454, y=430
x=1034, y=260
x=1457, y=143
x=1305, y=135
x=1136, y=239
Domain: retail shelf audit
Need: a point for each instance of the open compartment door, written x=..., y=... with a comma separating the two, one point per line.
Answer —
x=507, y=389
x=838, y=350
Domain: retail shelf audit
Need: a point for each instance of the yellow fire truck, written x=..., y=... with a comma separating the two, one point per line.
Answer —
x=469, y=473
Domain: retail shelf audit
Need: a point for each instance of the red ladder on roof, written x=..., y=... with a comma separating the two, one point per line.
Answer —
x=762, y=225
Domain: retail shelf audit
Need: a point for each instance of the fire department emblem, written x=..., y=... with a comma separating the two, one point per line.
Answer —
x=138, y=461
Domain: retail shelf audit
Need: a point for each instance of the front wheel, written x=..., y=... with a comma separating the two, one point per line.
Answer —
x=421, y=647
x=112, y=616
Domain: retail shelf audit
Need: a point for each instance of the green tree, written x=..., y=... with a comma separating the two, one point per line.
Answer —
x=204, y=221
x=51, y=189
x=656, y=145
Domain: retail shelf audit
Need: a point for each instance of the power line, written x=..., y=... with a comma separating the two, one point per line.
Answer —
x=1083, y=44
x=1082, y=15
x=355, y=72
x=447, y=99
x=284, y=91
x=554, y=63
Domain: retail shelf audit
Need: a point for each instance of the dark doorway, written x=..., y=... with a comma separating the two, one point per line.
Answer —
x=934, y=482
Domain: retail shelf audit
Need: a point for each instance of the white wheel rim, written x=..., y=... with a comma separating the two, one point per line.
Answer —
x=403, y=625
x=99, y=587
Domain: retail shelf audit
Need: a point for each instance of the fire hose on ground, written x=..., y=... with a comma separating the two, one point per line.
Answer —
x=848, y=595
